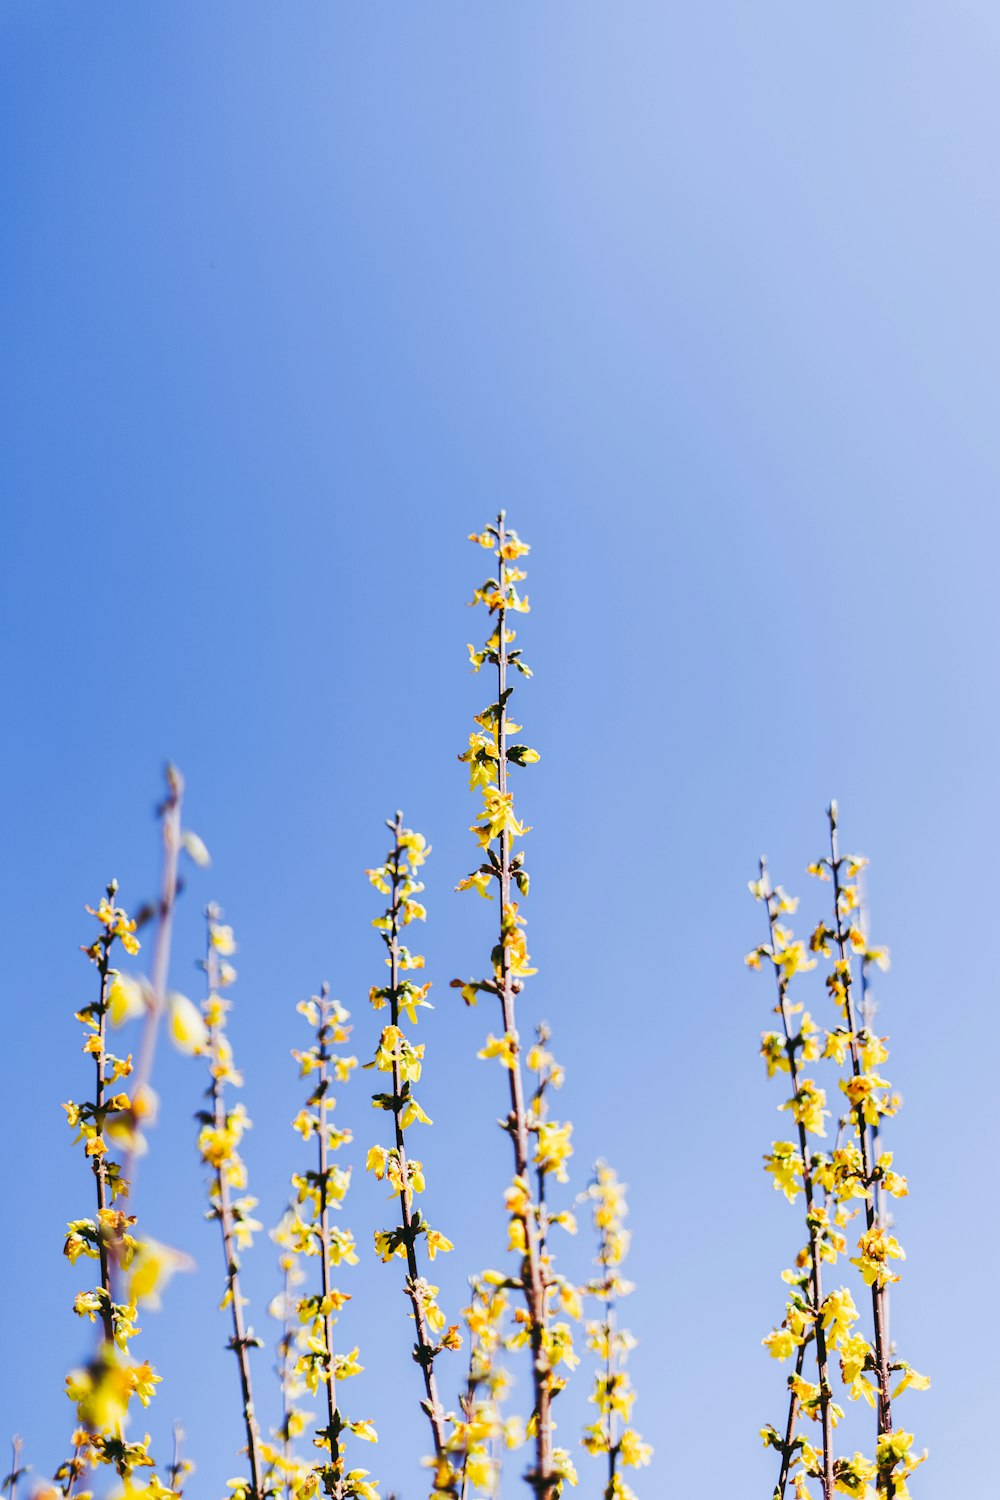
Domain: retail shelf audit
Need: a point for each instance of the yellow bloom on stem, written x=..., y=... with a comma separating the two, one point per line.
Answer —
x=502, y=1047
x=877, y=1248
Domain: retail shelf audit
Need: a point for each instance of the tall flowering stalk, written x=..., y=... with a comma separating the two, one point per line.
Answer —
x=131, y=1270
x=222, y=1129
x=828, y=1183
x=286, y=1471
x=402, y=1060
x=477, y=1434
x=870, y=1099
x=613, y=1395
x=312, y=1233
x=792, y=1164
x=489, y=755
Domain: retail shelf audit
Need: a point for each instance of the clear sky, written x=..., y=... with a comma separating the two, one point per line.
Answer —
x=294, y=297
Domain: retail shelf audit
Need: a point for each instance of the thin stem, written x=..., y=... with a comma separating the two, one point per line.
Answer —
x=879, y=1293
x=468, y=1403
x=333, y=1415
x=811, y=1226
x=239, y=1343
x=793, y=1411
x=176, y=1464
x=609, y=1364
x=544, y=1480
x=16, y=1444
x=425, y=1349
x=100, y=1171
x=170, y=814
x=285, y=1375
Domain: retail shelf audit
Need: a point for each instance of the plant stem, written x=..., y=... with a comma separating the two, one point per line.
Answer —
x=544, y=1480
x=425, y=1349
x=100, y=1173
x=879, y=1293
x=814, y=1248
x=170, y=814
x=793, y=1409
x=609, y=1364
x=284, y=1375
x=332, y=1413
x=239, y=1343
x=175, y=1466
x=16, y=1444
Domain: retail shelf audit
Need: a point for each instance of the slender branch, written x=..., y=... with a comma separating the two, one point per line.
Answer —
x=815, y=1275
x=170, y=814
x=426, y=1348
x=178, y=1468
x=545, y=1481
x=100, y=1169
x=16, y=1444
x=879, y=1292
x=240, y=1343
x=334, y=1422
x=609, y=1363
x=793, y=1409
x=284, y=1372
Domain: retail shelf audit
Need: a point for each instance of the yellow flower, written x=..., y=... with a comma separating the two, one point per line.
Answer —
x=911, y=1380
x=634, y=1452
x=416, y=846
x=553, y=1148
x=839, y=1312
x=479, y=881
x=781, y=1343
x=222, y=939
x=785, y=1165
x=807, y=1107
x=152, y=1266
x=877, y=1248
x=127, y=998
x=188, y=1031
x=437, y=1241
x=504, y=1048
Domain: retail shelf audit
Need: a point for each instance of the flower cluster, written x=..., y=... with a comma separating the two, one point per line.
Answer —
x=537, y=1141
x=837, y=1187
x=308, y=1231
x=613, y=1395
x=401, y=1060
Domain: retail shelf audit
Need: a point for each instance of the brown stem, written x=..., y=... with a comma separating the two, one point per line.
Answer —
x=793, y=1409
x=170, y=813
x=609, y=1364
x=543, y=1479
x=425, y=1349
x=100, y=1171
x=879, y=1293
x=284, y=1374
x=332, y=1413
x=468, y=1402
x=814, y=1248
x=239, y=1343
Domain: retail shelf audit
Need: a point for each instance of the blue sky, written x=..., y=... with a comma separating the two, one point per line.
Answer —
x=294, y=298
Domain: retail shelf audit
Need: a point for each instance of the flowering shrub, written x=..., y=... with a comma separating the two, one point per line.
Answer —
x=855, y=1178
x=526, y=1308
